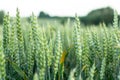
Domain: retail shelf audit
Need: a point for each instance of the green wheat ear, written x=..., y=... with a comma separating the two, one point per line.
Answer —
x=77, y=44
x=35, y=37
x=38, y=48
x=6, y=36
x=115, y=19
x=102, y=71
x=35, y=76
x=58, y=53
x=34, y=45
x=91, y=72
x=41, y=59
x=30, y=55
x=2, y=65
x=85, y=52
x=71, y=75
x=77, y=41
x=20, y=42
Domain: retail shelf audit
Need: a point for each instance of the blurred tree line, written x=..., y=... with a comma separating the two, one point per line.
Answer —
x=94, y=17
x=98, y=16
x=43, y=15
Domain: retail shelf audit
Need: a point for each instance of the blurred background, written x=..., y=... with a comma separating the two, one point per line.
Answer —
x=48, y=11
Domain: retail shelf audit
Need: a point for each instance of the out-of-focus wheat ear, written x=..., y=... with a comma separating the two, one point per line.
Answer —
x=38, y=49
x=47, y=54
x=2, y=65
x=20, y=41
x=111, y=51
x=71, y=75
x=35, y=77
x=6, y=35
x=91, y=72
x=115, y=40
x=49, y=58
x=85, y=53
x=6, y=27
x=41, y=59
x=96, y=48
x=115, y=19
x=50, y=52
x=77, y=44
x=57, y=53
x=102, y=71
x=77, y=41
x=14, y=56
x=118, y=76
x=105, y=53
x=104, y=41
x=12, y=44
x=35, y=36
x=30, y=55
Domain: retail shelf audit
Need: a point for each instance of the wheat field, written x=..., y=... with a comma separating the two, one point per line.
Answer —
x=29, y=51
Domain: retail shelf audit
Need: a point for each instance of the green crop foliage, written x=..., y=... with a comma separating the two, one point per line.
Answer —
x=32, y=51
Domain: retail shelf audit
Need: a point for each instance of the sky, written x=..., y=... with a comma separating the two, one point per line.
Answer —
x=56, y=7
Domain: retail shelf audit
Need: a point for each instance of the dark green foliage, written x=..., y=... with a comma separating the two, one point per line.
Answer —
x=43, y=15
x=1, y=16
x=63, y=21
x=98, y=16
